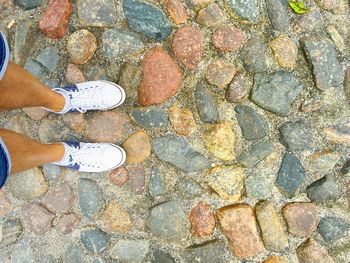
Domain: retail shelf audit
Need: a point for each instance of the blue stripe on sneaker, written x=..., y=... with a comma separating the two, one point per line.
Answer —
x=70, y=88
x=75, y=145
x=74, y=166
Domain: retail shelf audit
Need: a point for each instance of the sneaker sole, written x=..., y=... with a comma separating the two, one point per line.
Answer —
x=123, y=157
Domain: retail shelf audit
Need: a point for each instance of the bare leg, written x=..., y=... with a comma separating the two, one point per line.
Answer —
x=19, y=89
x=26, y=153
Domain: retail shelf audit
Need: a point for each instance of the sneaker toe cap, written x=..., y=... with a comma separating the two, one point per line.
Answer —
x=113, y=156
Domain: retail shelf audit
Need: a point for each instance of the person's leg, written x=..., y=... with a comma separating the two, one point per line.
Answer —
x=21, y=89
x=26, y=153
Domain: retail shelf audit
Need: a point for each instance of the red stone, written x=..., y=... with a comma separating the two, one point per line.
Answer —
x=176, y=10
x=37, y=218
x=228, y=38
x=202, y=220
x=137, y=179
x=119, y=176
x=74, y=74
x=161, y=77
x=67, y=223
x=60, y=199
x=55, y=20
x=188, y=46
x=5, y=204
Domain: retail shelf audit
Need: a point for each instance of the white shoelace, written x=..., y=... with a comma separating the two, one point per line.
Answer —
x=86, y=98
x=84, y=157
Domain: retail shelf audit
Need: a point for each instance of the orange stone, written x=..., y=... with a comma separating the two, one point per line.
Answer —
x=202, y=220
x=220, y=73
x=176, y=10
x=115, y=219
x=274, y=259
x=239, y=226
x=137, y=147
x=182, y=120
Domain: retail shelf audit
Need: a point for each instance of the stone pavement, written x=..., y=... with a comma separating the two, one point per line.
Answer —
x=236, y=127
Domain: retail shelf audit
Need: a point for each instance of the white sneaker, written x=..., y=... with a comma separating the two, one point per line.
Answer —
x=92, y=157
x=91, y=95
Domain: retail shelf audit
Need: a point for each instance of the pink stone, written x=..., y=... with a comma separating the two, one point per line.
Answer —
x=220, y=73
x=60, y=199
x=228, y=38
x=67, y=223
x=137, y=179
x=202, y=220
x=119, y=176
x=75, y=121
x=55, y=20
x=5, y=204
x=188, y=46
x=161, y=77
x=74, y=74
x=37, y=218
x=35, y=113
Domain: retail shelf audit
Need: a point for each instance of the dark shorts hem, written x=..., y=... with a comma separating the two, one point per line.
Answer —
x=5, y=163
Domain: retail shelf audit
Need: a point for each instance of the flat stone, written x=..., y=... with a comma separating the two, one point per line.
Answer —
x=220, y=141
x=346, y=168
x=322, y=57
x=239, y=226
x=182, y=120
x=29, y=4
x=324, y=161
x=227, y=182
x=290, y=175
x=332, y=228
x=49, y=58
x=101, y=13
x=25, y=35
x=246, y=10
x=53, y=173
x=276, y=92
x=161, y=78
x=59, y=199
x=255, y=154
x=259, y=187
x=11, y=230
x=116, y=219
x=295, y=136
x=205, y=103
x=278, y=14
x=150, y=118
x=119, y=176
x=211, y=16
x=90, y=198
x=35, y=69
x=5, y=204
x=189, y=188
x=323, y=190
x=275, y=259
x=228, y=38
x=157, y=185
x=167, y=221
x=274, y=237
x=137, y=178
x=178, y=152
x=239, y=88
x=23, y=254
x=120, y=44
x=137, y=147
x=111, y=126
x=220, y=73
x=147, y=19
x=188, y=46
x=75, y=121
x=301, y=218
x=67, y=223
x=202, y=220
x=176, y=10
x=130, y=250
x=36, y=218
x=73, y=254
x=254, y=56
x=74, y=74
x=94, y=240
x=308, y=22
x=285, y=51
x=81, y=46
x=253, y=125
x=338, y=134
x=311, y=252
x=54, y=22
x=215, y=250
x=160, y=256
x=53, y=130
x=28, y=185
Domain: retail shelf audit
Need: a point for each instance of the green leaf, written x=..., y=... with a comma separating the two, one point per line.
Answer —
x=298, y=7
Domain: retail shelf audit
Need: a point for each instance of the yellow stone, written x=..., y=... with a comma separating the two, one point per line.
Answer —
x=220, y=141
x=137, y=147
x=227, y=182
x=182, y=120
x=115, y=219
x=285, y=51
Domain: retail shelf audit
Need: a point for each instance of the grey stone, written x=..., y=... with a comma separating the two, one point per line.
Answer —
x=178, y=152
x=99, y=260
x=23, y=254
x=24, y=40
x=323, y=190
x=255, y=154
x=244, y=9
x=322, y=57
x=90, y=198
x=130, y=250
x=161, y=257
x=254, y=56
x=52, y=172
x=150, y=118
x=168, y=221
x=29, y=4
x=73, y=254
x=347, y=84
x=157, y=185
x=94, y=240
x=295, y=136
x=52, y=83
x=97, y=13
x=332, y=228
x=49, y=58
x=119, y=44
x=259, y=187
x=346, y=168
x=148, y=19
x=276, y=92
x=205, y=103
x=189, y=188
x=253, y=125
x=278, y=14
x=54, y=131
x=10, y=231
x=309, y=22
x=213, y=250
x=35, y=68
x=290, y=176
x=46, y=259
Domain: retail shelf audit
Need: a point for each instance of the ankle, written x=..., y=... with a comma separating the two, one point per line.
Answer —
x=57, y=152
x=56, y=102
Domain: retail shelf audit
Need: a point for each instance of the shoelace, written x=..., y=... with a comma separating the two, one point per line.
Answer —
x=84, y=157
x=86, y=98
